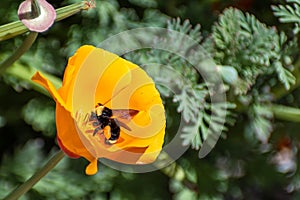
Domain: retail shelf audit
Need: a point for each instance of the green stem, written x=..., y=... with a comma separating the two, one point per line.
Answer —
x=25, y=73
x=285, y=112
x=67, y=11
x=281, y=112
x=36, y=177
x=27, y=43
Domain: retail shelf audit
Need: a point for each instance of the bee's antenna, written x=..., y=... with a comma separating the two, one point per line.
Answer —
x=114, y=96
x=103, y=104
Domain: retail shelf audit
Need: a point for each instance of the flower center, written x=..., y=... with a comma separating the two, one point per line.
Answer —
x=105, y=121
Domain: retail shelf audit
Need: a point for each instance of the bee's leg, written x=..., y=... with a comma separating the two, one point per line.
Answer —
x=93, y=116
x=96, y=124
x=96, y=130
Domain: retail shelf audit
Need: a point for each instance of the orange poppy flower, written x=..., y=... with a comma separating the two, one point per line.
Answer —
x=96, y=80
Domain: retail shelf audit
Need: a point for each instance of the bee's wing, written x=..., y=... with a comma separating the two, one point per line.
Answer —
x=123, y=116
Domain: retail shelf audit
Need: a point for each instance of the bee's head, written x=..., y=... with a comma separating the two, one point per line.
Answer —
x=99, y=110
x=103, y=111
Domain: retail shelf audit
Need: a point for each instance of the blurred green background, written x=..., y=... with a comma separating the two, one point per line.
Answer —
x=239, y=167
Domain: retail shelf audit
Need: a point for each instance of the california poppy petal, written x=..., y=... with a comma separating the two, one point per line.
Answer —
x=71, y=145
x=69, y=153
x=96, y=80
x=127, y=155
x=95, y=76
x=71, y=72
x=92, y=168
x=43, y=81
x=114, y=79
x=154, y=148
x=139, y=84
x=65, y=125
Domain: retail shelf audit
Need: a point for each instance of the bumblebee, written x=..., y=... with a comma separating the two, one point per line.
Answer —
x=112, y=119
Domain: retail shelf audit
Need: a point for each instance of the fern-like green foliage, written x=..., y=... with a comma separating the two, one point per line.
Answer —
x=261, y=57
x=185, y=27
x=180, y=80
x=115, y=20
x=205, y=121
x=253, y=49
x=144, y=3
x=260, y=125
x=40, y=114
x=187, y=106
x=289, y=13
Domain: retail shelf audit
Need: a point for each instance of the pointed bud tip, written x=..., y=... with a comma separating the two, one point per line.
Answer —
x=90, y=4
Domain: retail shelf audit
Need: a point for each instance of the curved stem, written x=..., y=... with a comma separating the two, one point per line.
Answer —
x=27, y=43
x=24, y=73
x=36, y=177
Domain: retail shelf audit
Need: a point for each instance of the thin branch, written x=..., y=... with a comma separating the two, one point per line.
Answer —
x=27, y=43
x=285, y=112
x=22, y=189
